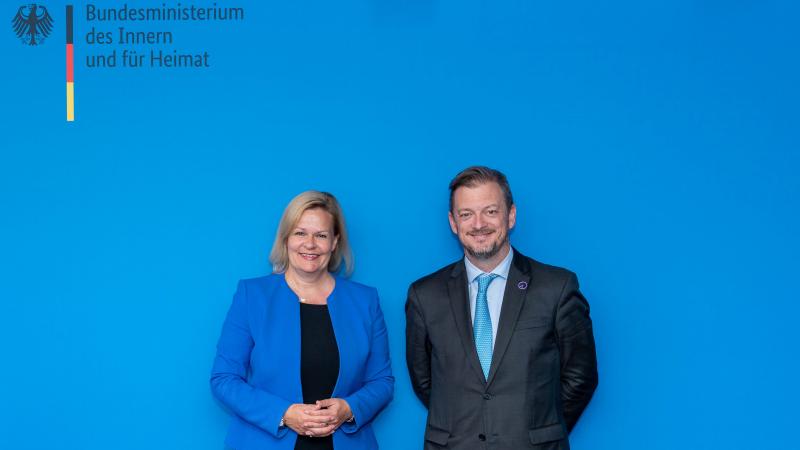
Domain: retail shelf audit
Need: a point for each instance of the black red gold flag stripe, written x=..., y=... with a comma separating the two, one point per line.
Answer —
x=70, y=69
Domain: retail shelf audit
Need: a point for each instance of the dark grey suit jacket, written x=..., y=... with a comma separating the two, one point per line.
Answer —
x=543, y=372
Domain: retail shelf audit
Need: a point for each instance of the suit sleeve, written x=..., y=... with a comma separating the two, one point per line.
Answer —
x=576, y=344
x=418, y=348
x=378, y=388
x=228, y=376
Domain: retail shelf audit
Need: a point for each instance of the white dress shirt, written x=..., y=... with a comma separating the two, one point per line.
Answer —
x=494, y=294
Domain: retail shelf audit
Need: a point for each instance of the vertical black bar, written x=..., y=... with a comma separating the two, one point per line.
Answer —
x=69, y=24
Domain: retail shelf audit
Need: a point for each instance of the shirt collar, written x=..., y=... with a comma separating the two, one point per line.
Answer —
x=501, y=269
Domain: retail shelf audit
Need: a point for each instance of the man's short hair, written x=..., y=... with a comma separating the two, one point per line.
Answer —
x=477, y=175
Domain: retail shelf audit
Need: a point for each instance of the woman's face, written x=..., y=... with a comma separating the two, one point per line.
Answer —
x=311, y=242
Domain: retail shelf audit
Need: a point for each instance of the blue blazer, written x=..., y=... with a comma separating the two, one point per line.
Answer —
x=256, y=371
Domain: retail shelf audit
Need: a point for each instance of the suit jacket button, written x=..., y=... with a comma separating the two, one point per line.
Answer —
x=482, y=437
x=487, y=397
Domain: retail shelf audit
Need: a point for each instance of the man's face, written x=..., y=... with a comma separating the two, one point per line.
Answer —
x=481, y=219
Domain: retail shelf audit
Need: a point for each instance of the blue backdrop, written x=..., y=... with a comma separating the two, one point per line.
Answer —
x=652, y=148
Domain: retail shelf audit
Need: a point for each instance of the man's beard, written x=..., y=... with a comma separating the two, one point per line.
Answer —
x=489, y=252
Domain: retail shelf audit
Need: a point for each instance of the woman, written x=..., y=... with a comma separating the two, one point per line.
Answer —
x=303, y=359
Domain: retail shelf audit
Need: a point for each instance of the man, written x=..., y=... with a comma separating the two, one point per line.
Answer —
x=499, y=346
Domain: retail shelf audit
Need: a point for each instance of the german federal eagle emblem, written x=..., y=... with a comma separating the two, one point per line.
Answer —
x=32, y=24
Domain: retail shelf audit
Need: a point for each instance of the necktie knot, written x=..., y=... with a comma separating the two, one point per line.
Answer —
x=485, y=279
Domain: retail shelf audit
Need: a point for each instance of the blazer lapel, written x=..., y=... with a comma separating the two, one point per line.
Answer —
x=282, y=324
x=513, y=299
x=341, y=323
x=459, y=303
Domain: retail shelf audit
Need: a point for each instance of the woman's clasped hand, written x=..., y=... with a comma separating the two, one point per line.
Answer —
x=317, y=420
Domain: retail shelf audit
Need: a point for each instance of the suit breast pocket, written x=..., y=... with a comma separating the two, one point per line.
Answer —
x=536, y=322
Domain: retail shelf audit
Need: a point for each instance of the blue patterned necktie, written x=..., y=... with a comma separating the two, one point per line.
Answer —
x=482, y=324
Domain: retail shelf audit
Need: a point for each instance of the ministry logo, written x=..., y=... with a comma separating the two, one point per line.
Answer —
x=32, y=24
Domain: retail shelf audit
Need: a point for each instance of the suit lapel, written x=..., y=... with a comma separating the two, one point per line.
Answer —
x=513, y=299
x=459, y=303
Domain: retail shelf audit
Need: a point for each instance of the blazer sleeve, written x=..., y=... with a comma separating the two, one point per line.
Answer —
x=576, y=344
x=378, y=388
x=418, y=348
x=228, y=376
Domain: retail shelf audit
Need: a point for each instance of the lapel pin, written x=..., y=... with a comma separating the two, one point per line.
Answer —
x=522, y=285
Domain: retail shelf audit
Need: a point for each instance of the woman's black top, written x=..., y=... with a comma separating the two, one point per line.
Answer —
x=319, y=365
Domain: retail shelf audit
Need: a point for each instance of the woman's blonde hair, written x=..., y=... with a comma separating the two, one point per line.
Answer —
x=342, y=256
